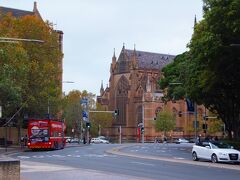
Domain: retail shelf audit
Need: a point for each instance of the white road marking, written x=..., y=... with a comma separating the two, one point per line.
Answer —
x=141, y=163
x=23, y=157
x=178, y=158
x=39, y=157
x=57, y=155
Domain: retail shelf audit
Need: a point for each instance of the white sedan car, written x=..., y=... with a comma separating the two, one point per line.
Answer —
x=181, y=140
x=216, y=152
x=98, y=140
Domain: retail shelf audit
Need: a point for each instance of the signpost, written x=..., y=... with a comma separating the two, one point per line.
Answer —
x=85, y=116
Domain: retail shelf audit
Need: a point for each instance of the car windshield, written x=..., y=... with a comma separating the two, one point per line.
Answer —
x=220, y=145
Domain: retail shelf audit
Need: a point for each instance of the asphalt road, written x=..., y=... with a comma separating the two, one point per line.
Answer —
x=97, y=162
x=169, y=150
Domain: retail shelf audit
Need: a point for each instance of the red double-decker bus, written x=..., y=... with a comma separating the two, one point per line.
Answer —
x=46, y=134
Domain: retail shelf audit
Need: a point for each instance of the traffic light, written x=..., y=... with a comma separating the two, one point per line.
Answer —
x=116, y=112
x=88, y=125
x=204, y=126
x=142, y=130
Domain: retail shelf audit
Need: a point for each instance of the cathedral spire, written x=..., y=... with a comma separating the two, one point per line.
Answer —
x=114, y=53
x=101, y=89
x=134, y=57
x=195, y=21
x=114, y=56
x=123, y=48
x=35, y=6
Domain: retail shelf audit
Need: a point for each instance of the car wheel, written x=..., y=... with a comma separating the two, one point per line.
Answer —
x=214, y=158
x=194, y=156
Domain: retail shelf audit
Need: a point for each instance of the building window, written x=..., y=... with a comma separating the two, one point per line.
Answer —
x=122, y=99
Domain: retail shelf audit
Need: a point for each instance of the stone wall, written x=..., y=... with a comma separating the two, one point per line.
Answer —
x=9, y=169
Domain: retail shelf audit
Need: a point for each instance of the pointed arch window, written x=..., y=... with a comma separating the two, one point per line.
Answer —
x=122, y=99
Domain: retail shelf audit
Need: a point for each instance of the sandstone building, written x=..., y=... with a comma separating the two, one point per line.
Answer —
x=133, y=90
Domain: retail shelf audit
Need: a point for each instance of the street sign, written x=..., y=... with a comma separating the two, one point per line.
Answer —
x=84, y=101
x=85, y=119
x=85, y=114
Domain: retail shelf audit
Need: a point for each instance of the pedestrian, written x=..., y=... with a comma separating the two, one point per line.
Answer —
x=165, y=139
x=216, y=138
x=199, y=140
x=22, y=142
x=89, y=140
x=25, y=140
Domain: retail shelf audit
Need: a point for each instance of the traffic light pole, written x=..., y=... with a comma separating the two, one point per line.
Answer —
x=143, y=125
x=120, y=134
x=195, y=121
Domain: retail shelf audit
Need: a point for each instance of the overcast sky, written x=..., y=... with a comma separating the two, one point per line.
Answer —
x=93, y=28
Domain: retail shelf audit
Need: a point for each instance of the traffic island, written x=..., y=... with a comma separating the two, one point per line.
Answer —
x=9, y=169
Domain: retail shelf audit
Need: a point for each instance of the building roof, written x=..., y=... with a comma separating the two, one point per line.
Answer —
x=149, y=60
x=16, y=12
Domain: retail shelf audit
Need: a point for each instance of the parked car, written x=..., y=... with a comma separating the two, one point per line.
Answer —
x=95, y=140
x=101, y=137
x=104, y=141
x=180, y=140
x=216, y=152
x=68, y=139
x=75, y=140
x=99, y=140
x=104, y=137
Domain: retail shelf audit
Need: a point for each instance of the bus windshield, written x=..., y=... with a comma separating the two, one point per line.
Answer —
x=39, y=132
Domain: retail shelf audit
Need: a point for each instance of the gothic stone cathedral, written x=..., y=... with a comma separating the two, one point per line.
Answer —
x=133, y=89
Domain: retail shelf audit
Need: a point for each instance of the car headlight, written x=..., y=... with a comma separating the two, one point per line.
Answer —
x=222, y=154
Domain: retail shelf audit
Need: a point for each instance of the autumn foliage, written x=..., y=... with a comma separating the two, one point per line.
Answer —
x=30, y=74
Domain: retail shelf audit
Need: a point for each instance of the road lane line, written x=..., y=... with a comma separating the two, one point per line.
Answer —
x=141, y=163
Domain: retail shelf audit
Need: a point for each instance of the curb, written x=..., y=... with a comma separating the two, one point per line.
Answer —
x=117, y=151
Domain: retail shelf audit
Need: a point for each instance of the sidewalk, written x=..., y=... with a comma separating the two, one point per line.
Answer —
x=11, y=149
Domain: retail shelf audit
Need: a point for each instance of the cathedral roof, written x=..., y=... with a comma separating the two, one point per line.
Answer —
x=15, y=12
x=149, y=60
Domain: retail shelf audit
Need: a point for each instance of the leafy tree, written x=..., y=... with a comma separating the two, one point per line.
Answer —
x=175, y=72
x=165, y=122
x=14, y=69
x=100, y=120
x=73, y=111
x=29, y=71
x=215, y=63
x=212, y=64
x=43, y=80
